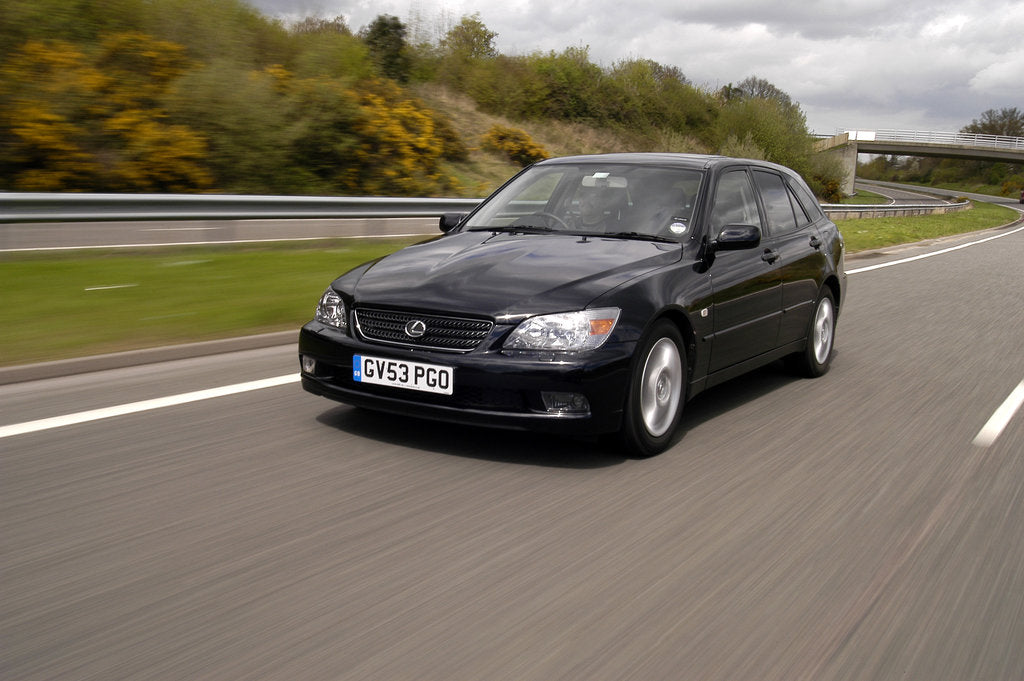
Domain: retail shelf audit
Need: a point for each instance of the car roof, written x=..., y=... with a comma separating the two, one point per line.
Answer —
x=695, y=161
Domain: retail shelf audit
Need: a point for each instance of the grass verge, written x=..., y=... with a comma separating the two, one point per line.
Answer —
x=78, y=303
x=869, y=233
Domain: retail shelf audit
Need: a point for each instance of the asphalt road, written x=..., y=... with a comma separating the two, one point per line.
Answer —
x=850, y=527
x=44, y=236
x=900, y=193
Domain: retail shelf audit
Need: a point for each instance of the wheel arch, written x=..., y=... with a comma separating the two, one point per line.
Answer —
x=832, y=282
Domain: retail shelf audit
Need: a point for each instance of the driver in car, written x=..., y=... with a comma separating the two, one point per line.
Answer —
x=597, y=208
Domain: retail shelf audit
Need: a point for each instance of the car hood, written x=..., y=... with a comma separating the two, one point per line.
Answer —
x=484, y=273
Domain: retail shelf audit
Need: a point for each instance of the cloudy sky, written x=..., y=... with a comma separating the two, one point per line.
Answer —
x=853, y=64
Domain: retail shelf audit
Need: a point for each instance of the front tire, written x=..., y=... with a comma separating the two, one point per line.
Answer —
x=657, y=391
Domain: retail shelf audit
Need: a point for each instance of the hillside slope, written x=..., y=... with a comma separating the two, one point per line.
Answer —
x=485, y=170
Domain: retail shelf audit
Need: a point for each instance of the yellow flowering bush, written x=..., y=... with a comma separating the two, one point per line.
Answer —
x=78, y=121
x=515, y=144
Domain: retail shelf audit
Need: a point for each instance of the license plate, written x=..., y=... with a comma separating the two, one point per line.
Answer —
x=401, y=374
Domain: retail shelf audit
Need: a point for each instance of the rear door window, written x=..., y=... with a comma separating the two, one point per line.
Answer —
x=806, y=200
x=777, y=203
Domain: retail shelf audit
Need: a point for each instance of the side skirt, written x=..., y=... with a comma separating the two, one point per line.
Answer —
x=746, y=366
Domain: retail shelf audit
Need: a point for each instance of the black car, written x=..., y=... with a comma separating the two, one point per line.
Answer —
x=589, y=294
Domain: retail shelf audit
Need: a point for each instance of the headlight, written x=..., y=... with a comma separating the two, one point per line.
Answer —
x=331, y=310
x=569, y=331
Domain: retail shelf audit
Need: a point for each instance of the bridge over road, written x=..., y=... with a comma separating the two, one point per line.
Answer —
x=850, y=143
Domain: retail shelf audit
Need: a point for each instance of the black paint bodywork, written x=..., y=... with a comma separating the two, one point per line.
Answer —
x=737, y=305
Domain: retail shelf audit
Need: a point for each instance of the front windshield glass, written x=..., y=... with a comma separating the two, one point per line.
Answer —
x=601, y=199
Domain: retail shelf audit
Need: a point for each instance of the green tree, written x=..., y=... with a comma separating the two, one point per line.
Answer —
x=753, y=87
x=331, y=54
x=779, y=131
x=568, y=83
x=1008, y=122
x=212, y=30
x=385, y=38
x=314, y=25
x=79, y=22
x=325, y=141
x=652, y=95
x=248, y=120
x=470, y=39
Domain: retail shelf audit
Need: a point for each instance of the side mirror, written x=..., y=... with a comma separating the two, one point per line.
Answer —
x=737, y=238
x=450, y=221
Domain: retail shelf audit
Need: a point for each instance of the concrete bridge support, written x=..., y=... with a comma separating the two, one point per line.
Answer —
x=845, y=150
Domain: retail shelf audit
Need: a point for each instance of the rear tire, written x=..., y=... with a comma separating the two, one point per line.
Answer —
x=816, y=358
x=657, y=390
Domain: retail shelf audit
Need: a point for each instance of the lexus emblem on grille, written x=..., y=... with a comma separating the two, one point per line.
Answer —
x=416, y=328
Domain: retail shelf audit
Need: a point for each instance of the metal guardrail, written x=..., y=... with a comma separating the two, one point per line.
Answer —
x=43, y=207
x=926, y=137
x=866, y=207
x=47, y=207
x=841, y=211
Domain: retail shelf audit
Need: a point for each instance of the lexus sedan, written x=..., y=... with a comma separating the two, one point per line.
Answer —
x=588, y=295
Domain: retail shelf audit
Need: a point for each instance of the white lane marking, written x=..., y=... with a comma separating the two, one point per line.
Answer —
x=181, y=229
x=108, y=288
x=991, y=431
x=929, y=255
x=145, y=405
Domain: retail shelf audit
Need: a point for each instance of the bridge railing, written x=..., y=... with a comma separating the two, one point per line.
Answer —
x=931, y=137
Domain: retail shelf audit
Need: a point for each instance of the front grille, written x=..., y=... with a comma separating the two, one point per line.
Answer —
x=457, y=334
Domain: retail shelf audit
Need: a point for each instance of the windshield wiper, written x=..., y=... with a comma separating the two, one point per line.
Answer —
x=515, y=229
x=641, y=237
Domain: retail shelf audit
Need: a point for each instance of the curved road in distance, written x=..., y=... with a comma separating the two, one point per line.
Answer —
x=899, y=194
x=850, y=527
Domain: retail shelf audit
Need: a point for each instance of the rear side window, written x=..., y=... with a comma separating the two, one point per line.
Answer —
x=777, y=203
x=806, y=200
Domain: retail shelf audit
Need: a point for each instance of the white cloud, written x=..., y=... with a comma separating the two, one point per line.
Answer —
x=934, y=64
x=942, y=27
x=1006, y=74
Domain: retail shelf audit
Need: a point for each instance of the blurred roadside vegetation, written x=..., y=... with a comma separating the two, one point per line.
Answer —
x=212, y=96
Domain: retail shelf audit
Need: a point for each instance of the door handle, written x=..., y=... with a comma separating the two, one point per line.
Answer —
x=769, y=256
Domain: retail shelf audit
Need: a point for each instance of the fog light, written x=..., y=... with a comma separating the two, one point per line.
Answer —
x=308, y=364
x=565, y=403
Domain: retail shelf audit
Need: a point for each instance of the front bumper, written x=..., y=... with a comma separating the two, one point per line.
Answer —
x=491, y=388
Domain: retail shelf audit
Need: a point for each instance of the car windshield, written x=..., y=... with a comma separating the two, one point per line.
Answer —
x=614, y=200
